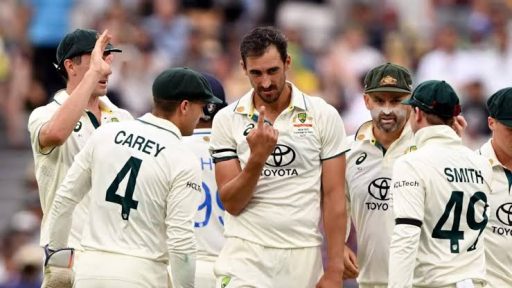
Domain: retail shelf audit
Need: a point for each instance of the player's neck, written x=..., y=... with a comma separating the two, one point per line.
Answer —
x=93, y=105
x=204, y=124
x=274, y=109
x=386, y=138
x=504, y=158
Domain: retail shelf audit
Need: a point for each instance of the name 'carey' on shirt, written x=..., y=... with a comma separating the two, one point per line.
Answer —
x=138, y=142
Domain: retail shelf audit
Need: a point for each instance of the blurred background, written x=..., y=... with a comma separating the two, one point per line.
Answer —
x=333, y=43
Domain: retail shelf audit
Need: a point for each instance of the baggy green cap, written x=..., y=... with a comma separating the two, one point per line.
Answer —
x=183, y=83
x=435, y=97
x=78, y=42
x=388, y=78
x=499, y=106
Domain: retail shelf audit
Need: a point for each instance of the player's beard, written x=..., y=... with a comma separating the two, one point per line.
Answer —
x=389, y=120
x=271, y=94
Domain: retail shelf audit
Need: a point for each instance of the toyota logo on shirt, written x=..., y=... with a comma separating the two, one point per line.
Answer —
x=379, y=188
x=504, y=214
x=281, y=156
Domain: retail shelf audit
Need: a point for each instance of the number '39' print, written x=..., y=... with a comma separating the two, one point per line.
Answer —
x=207, y=206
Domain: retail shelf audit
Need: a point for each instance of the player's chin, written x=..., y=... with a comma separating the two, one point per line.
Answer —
x=389, y=127
x=100, y=91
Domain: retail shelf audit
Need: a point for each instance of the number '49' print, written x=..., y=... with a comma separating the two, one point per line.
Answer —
x=454, y=234
x=126, y=202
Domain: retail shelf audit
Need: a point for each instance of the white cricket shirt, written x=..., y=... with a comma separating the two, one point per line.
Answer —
x=368, y=178
x=145, y=186
x=209, y=220
x=52, y=164
x=284, y=211
x=442, y=188
x=498, y=234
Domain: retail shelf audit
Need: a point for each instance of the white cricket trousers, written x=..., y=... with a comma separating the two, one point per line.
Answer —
x=104, y=270
x=246, y=264
x=476, y=284
x=373, y=286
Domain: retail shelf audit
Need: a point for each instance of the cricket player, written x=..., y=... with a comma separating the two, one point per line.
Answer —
x=59, y=130
x=278, y=155
x=209, y=219
x=499, y=150
x=145, y=186
x=376, y=146
x=440, y=199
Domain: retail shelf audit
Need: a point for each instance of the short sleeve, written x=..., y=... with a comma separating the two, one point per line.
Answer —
x=408, y=192
x=36, y=120
x=332, y=133
x=222, y=143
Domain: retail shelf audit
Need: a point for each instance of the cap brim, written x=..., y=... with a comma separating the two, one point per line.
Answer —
x=111, y=48
x=213, y=99
x=388, y=89
x=506, y=122
x=407, y=101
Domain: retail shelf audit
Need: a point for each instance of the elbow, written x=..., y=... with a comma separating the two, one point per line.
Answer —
x=233, y=209
x=232, y=206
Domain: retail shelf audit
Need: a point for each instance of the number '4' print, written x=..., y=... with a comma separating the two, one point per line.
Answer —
x=454, y=234
x=126, y=202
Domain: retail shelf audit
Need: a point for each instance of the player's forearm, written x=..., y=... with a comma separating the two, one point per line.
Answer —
x=402, y=255
x=334, y=215
x=183, y=269
x=59, y=221
x=237, y=193
x=62, y=123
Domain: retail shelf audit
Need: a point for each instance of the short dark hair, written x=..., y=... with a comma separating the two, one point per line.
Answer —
x=434, y=119
x=166, y=107
x=256, y=42
x=77, y=60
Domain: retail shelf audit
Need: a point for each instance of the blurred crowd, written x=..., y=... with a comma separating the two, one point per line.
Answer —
x=333, y=44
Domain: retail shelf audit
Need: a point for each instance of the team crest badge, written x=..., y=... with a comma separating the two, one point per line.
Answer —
x=225, y=281
x=411, y=149
x=388, y=80
x=302, y=117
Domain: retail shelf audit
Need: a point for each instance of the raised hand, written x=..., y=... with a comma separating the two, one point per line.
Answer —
x=263, y=138
x=459, y=125
x=98, y=63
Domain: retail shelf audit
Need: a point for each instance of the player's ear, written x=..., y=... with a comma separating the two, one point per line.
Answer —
x=418, y=114
x=242, y=64
x=287, y=63
x=367, y=101
x=69, y=67
x=491, y=123
x=184, y=106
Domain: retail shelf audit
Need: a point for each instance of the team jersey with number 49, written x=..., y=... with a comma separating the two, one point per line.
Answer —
x=442, y=187
x=145, y=186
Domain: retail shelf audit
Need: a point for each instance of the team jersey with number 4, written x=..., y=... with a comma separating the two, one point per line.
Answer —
x=145, y=187
x=209, y=221
x=498, y=242
x=440, y=197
